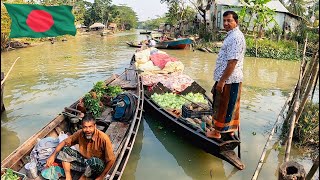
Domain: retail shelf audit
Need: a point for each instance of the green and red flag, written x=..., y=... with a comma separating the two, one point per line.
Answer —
x=36, y=21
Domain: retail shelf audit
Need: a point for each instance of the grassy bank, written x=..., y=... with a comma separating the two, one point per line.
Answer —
x=263, y=48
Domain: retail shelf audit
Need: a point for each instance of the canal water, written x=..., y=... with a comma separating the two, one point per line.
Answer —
x=49, y=77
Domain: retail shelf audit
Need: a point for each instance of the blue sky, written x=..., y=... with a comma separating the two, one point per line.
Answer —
x=145, y=9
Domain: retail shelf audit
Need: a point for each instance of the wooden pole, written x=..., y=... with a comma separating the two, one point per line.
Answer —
x=293, y=117
x=307, y=75
x=262, y=157
x=314, y=86
x=313, y=169
x=256, y=47
x=302, y=68
x=314, y=72
x=239, y=151
x=9, y=71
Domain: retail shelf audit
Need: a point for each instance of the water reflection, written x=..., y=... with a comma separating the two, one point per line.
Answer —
x=195, y=163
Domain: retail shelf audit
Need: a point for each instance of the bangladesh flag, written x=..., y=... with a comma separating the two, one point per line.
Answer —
x=36, y=21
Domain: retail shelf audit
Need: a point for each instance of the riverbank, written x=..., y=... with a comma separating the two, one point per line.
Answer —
x=262, y=48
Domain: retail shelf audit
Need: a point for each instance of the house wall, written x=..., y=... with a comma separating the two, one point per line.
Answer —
x=292, y=22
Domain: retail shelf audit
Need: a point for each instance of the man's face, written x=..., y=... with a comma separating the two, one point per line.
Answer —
x=88, y=129
x=229, y=23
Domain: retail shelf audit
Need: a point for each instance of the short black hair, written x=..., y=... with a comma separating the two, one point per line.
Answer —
x=88, y=117
x=234, y=15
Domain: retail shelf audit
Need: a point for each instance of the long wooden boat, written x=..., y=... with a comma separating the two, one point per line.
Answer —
x=122, y=135
x=180, y=43
x=222, y=148
x=2, y=89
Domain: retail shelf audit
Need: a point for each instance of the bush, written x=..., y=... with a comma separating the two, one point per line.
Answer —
x=306, y=131
x=272, y=49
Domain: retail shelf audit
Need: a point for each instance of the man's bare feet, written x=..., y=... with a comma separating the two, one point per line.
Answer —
x=213, y=134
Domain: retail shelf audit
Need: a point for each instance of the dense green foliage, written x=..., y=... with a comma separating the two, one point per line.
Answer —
x=306, y=132
x=272, y=49
x=258, y=9
x=92, y=105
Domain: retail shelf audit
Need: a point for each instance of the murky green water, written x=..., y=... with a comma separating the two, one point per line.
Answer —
x=50, y=77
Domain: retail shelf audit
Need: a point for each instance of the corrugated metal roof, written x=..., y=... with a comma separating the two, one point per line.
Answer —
x=274, y=5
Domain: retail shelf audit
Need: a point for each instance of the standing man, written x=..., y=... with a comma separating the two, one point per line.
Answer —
x=95, y=156
x=228, y=79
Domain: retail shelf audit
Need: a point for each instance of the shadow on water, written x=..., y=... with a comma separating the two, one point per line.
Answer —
x=12, y=139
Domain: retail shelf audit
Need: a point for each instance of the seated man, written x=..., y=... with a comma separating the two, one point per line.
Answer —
x=95, y=156
x=152, y=43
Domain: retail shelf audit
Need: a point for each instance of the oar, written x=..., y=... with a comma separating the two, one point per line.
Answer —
x=9, y=71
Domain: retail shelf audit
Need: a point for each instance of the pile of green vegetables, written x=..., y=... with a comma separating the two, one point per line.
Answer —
x=92, y=100
x=173, y=101
x=9, y=175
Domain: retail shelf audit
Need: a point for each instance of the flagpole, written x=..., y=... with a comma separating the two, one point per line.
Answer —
x=9, y=71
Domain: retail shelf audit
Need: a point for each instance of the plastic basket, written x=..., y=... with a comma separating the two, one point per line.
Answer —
x=22, y=176
x=186, y=113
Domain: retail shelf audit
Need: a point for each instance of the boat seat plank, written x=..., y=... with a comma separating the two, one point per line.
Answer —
x=106, y=115
x=117, y=132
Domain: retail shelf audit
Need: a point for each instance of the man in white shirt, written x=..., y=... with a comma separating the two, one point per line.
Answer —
x=152, y=43
x=228, y=79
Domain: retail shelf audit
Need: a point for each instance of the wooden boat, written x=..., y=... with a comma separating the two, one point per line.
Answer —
x=222, y=148
x=132, y=44
x=180, y=43
x=159, y=46
x=145, y=32
x=2, y=89
x=121, y=134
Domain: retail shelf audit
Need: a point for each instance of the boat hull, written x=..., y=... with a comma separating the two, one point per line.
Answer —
x=177, y=44
x=222, y=148
x=122, y=135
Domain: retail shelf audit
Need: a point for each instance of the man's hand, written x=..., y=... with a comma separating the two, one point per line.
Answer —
x=50, y=160
x=220, y=86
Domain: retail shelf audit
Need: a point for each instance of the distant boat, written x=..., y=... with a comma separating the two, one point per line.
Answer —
x=180, y=43
x=159, y=46
x=145, y=32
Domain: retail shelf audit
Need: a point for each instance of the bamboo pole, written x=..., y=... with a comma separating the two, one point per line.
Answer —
x=313, y=169
x=262, y=157
x=9, y=71
x=314, y=86
x=256, y=47
x=293, y=117
x=314, y=72
x=302, y=68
